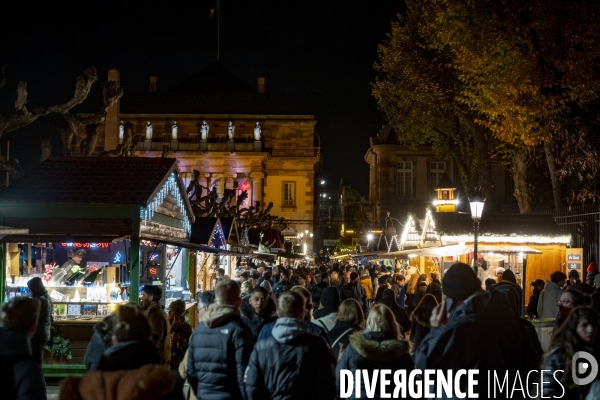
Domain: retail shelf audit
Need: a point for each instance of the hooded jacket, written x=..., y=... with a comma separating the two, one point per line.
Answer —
x=547, y=304
x=512, y=293
x=374, y=350
x=291, y=364
x=219, y=351
x=257, y=320
x=100, y=341
x=28, y=380
x=367, y=283
x=435, y=288
x=481, y=334
x=325, y=317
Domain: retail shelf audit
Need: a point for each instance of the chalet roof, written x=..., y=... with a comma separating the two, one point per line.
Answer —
x=451, y=224
x=92, y=180
x=215, y=78
x=446, y=183
x=202, y=230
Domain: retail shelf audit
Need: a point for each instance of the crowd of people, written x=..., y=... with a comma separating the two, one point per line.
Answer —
x=286, y=333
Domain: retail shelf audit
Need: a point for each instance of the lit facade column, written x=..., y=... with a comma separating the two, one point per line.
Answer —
x=257, y=188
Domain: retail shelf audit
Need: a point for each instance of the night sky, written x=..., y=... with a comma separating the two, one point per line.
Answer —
x=320, y=53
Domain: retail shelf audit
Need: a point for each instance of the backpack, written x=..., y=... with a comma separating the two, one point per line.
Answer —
x=7, y=370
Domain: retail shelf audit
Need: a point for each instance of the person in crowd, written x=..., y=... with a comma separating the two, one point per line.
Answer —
x=246, y=288
x=301, y=280
x=573, y=282
x=159, y=321
x=100, y=341
x=511, y=291
x=258, y=309
x=244, y=276
x=311, y=281
x=72, y=265
x=23, y=377
x=397, y=283
x=180, y=332
x=267, y=286
x=489, y=282
x=499, y=273
x=471, y=329
x=569, y=299
x=367, y=283
x=418, y=296
x=592, y=271
x=219, y=275
x=267, y=276
x=350, y=318
x=411, y=291
x=548, y=302
x=389, y=299
x=595, y=296
x=293, y=278
x=204, y=300
x=291, y=364
x=334, y=279
x=131, y=367
x=537, y=287
x=284, y=283
x=420, y=325
x=435, y=286
x=354, y=290
x=44, y=327
x=318, y=289
x=328, y=309
x=379, y=347
x=382, y=285
x=220, y=347
x=578, y=333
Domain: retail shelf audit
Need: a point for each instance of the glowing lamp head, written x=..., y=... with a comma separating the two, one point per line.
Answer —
x=476, y=201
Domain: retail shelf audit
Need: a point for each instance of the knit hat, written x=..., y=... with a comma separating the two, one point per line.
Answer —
x=324, y=275
x=508, y=275
x=267, y=286
x=36, y=286
x=287, y=273
x=245, y=275
x=267, y=276
x=353, y=276
x=178, y=307
x=593, y=267
x=460, y=282
x=330, y=297
x=499, y=270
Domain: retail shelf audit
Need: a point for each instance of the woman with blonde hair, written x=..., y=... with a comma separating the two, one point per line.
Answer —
x=378, y=347
x=349, y=319
x=411, y=292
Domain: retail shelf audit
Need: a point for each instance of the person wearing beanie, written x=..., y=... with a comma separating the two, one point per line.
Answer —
x=548, y=301
x=43, y=332
x=471, y=329
x=284, y=283
x=511, y=291
x=328, y=308
x=244, y=276
x=499, y=272
x=180, y=333
x=592, y=272
x=317, y=290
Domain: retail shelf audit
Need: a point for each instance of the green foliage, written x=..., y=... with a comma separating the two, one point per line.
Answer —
x=61, y=347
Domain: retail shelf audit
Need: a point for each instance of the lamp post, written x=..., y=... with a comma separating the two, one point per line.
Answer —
x=477, y=202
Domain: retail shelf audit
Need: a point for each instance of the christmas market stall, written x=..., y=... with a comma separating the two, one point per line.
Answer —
x=96, y=230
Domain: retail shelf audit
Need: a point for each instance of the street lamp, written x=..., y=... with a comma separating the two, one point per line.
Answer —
x=477, y=201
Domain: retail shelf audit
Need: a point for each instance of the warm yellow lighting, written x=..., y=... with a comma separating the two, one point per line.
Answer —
x=509, y=239
x=440, y=202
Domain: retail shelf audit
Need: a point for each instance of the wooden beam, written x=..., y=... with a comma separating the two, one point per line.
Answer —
x=134, y=258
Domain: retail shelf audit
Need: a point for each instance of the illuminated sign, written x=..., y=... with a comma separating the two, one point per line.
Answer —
x=153, y=257
x=118, y=257
x=153, y=271
x=87, y=245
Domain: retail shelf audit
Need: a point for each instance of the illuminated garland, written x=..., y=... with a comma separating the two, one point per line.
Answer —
x=170, y=187
x=218, y=239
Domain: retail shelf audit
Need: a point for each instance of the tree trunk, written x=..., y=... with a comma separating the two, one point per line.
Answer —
x=519, y=173
x=548, y=149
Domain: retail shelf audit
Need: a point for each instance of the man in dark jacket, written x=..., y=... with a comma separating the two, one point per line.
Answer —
x=435, y=287
x=44, y=326
x=471, y=329
x=511, y=291
x=284, y=283
x=220, y=348
x=317, y=290
x=258, y=309
x=159, y=321
x=354, y=290
x=19, y=322
x=291, y=364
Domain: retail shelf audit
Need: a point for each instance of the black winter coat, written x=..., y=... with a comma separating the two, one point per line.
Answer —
x=300, y=369
x=44, y=328
x=218, y=356
x=417, y=333
x=555, y=361
x=281, y=287
x=435, y=288
x=481, y=334
x=512, y=293
x=257, y=321
x=533, y=303
x=596, y=300
x=399, y=313
x=341, y=328
x=373, y=350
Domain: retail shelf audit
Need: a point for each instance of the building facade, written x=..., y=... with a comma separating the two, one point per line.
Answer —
x=234, y=136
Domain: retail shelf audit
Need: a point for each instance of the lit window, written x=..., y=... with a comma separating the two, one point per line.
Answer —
x=404, y=180
x=437, y=170
x=289, y=194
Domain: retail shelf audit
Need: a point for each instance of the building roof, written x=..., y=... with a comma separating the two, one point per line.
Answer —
x=202, y=230
x=215, y=78
x=451, y=224
x=92, y=180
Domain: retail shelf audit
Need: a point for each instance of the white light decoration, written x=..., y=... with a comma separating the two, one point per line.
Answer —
x=410, y=224
x=170, y=187
x=440, y=202
x=510, y=239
